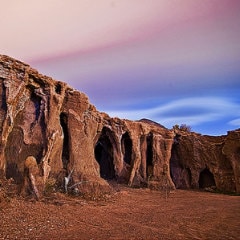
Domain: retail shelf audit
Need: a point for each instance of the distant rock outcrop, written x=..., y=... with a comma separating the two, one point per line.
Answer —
x=50, y=132
x=207, y=162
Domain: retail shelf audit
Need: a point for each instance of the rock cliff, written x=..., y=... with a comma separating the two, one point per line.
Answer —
x=51, y=133
x=199, y=161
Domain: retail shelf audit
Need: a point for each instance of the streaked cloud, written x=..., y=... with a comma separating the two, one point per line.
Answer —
x=235, y=122
x=170, y=61
x=206, y=109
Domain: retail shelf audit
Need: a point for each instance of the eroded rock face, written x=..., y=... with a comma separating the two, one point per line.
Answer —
x=51, y=131
x=199, y=161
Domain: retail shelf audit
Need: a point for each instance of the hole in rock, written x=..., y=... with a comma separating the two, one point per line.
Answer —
x=58, y=88
x=12, y=171
x=65, y=150
x=126, y=143
x=37, y=104
x=188, y=176
x=174, y=163
x=206, y=179
x=104, y=154
x=150, y=155
x=3, y=104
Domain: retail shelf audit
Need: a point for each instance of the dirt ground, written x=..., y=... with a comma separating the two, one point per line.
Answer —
x=127, y=214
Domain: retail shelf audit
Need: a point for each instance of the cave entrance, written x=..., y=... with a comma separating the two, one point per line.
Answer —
x=188, y=177
x=149, y=155
x=173, y=163
x=206, y=179
x=104, y=154
x=126, y=145
x=65, y=149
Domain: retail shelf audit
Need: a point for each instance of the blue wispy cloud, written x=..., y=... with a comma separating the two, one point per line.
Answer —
x=191, y=111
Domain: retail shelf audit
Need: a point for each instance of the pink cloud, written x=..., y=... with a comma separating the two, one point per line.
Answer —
x=48, y=28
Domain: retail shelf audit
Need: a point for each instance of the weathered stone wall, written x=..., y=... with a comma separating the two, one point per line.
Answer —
x=51, y=131
x=231, y=150
x=58, y=129
x=200, y=161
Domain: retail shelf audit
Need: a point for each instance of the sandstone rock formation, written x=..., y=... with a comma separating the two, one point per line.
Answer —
x=206, y=161
x=50, y=131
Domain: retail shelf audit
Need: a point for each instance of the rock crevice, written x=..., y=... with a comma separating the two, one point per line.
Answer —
x=49, y=130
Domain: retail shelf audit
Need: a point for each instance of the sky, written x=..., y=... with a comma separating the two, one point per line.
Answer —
x=171, y=61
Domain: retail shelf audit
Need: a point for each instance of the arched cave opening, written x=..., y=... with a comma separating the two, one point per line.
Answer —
x=35, y=101
x=104, y=155
x=65, y=149
x=126, y=144
x=17, y=151
x=149, y=155
x=206, y=179
x=189, y=176
x=12, y=171
x=173, y=162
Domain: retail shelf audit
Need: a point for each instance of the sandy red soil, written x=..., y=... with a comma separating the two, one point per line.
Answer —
x=127, y=214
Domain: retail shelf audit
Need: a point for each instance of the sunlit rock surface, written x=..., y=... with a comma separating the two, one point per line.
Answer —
x=51, y=132
x=200, y=161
